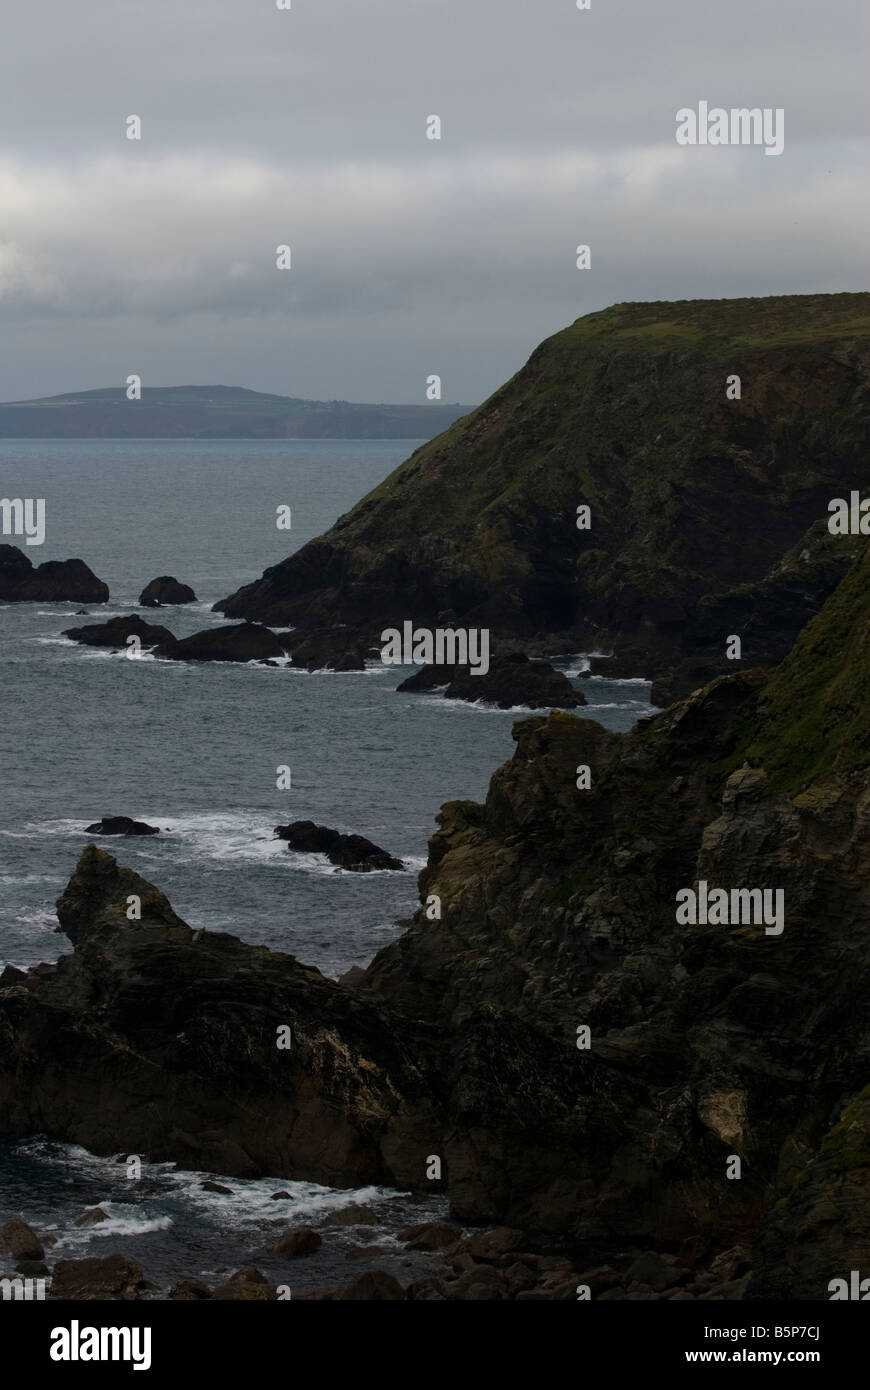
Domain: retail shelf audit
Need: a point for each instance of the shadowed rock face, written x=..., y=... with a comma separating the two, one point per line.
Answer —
x=511, y=680
x=154, y=1039
x=625, y=412
x=55, y=581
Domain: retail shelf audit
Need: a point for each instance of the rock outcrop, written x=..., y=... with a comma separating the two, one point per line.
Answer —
x=165, y=589
x=235, y=642
x=352, y=852
x=54, y=581
x=511, y=681
x=115, y=632
x=121, y=825
x=154, y=1039
x=625, y=412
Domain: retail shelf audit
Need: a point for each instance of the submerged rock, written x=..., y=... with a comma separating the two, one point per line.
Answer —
x=54, y=581
x=166, y=590
x=121, y=825
x=351, y=852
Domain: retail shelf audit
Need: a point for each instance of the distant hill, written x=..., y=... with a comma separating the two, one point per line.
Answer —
x=216, y=412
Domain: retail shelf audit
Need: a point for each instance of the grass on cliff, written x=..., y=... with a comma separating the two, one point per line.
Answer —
x=815, y=711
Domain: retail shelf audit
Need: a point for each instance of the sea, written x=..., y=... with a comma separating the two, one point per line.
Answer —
x=195, y=750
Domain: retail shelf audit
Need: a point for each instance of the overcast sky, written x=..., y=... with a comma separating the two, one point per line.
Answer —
x=409, y=256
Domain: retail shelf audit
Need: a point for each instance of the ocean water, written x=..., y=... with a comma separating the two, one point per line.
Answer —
x=194, y=749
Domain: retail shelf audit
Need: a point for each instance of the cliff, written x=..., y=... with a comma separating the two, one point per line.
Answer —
x=624, y=412
x=707, y=1043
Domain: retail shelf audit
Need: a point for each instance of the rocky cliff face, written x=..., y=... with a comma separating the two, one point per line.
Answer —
x=152, y=1038
x=708, y=1043
x=624, y=412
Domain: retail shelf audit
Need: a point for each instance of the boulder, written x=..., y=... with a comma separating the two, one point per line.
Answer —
x=109, y=1277
x=235, y=642
x=298, y=1240
x=356, y=1215
x=209, y=1186
x=54, y=581
x=352, y=852
x=247, y=1285
x=20, y=1241
x=373, y=1286
x=190, y=1290
x=115, y=632
x=165, y=590
x=120, y=825
x=431, y=1235
x=93, y=1217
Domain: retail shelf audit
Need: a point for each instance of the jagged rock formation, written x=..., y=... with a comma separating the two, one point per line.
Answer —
x=352, y=852
x=155, y=1039
x=54, y=581
x=165, y=589
x=624, y=412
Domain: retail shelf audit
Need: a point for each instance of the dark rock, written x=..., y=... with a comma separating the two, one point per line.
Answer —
x=236, y=642
x=120, y=825
x=190, y=1290
x=512, y=680
x=115, y=632
x=432, y=1235
x=651, y=1271
x=32, y=1269
x=281, y=1196
x=203, y=1083
x=209, y=1186
x=373, y=1286
x=111, y=1277
x=356, y=1215
x=329, y=649
x=54, y=581
x=352, y=852
x=298, y=1240
x=247, y=1285
x=349, y=979
x=165, y=590
x=92, y=1217
x=20, y=1241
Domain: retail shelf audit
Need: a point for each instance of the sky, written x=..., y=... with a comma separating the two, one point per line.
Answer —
x=307, y=127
